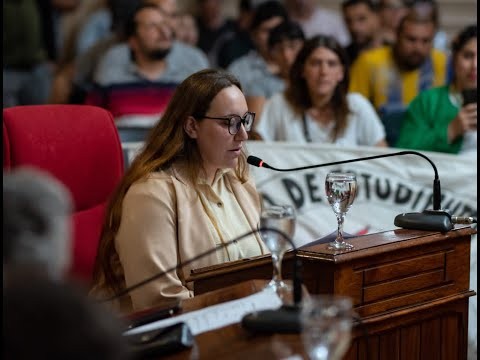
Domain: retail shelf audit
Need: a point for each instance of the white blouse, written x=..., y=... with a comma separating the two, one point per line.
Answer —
x=278, y=122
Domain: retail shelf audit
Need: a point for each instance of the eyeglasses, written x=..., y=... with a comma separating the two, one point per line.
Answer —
x=235, y=121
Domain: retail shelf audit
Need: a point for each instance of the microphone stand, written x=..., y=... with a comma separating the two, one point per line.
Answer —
x=433, y=220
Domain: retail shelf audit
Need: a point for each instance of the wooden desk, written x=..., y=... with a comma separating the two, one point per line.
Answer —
x=410, y=287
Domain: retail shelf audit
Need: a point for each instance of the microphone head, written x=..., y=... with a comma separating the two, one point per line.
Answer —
x=253, y=160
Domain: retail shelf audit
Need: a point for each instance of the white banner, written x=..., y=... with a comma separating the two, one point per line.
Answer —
x=386, y=186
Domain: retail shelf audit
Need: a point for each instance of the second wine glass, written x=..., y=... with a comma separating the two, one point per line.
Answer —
x=341, y=188
x=282, y=218
x=326, y=326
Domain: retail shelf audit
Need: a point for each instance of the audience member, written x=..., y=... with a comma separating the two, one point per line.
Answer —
x=392, y=11
x=186, y=192
x=391, y=76
x=44, y=319
x=36, y=224
x=430, y=8
x=138, y=89
x=212, y=26
x=316, y=107
x=238, y=43
x=284, y=42
x=257, y=71
x=439, y=119
x=316, y=20
x=363, y=23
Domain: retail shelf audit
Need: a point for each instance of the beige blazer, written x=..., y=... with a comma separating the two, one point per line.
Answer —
x=164, y=224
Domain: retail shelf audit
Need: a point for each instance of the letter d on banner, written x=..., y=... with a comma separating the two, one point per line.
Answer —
x=295, y=192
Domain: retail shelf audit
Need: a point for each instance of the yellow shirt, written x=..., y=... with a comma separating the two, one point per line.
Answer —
x=375, y=75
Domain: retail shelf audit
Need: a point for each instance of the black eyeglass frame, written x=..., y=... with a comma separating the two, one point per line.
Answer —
x=231, y=119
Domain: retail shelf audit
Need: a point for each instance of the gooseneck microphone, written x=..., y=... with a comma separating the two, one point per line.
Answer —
x=253, y=160
x=432, y=220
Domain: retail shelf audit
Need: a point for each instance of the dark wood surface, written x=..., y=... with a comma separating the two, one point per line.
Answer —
x=410, y=289
x=234, y=342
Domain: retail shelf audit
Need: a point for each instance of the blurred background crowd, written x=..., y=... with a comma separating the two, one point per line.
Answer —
x=128, y=56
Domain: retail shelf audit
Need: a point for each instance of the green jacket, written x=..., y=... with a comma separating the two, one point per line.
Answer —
x=426, y=122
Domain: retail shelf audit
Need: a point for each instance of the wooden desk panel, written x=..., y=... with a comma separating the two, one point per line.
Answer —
x=385, y=271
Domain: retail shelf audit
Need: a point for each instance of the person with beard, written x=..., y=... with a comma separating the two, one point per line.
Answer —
x=391, y=76
x=135, y=80
x=443, y=119
x=363, y=24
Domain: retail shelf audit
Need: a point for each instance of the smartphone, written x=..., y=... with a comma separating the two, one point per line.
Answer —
x=161, y=341
x=469, y=96
x=154, y=314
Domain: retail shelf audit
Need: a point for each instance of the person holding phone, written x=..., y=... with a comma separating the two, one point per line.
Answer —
x=444, y=118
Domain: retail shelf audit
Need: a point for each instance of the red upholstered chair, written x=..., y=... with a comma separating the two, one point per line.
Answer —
x=79, y=145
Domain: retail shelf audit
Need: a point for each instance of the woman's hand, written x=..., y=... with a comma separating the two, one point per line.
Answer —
x=465, y=120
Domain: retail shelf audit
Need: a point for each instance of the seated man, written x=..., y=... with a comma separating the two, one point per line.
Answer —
x=391, y=76
x=136, y=80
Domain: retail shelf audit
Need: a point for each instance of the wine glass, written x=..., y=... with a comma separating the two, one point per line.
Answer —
x=282, y=218
x=341, y=188
x=326, y=326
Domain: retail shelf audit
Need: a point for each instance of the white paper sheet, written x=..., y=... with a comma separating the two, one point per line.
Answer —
x=217, y=316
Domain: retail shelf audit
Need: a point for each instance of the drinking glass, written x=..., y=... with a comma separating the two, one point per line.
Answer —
x=282, y=218
x=341, y=188
x=326, y=326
